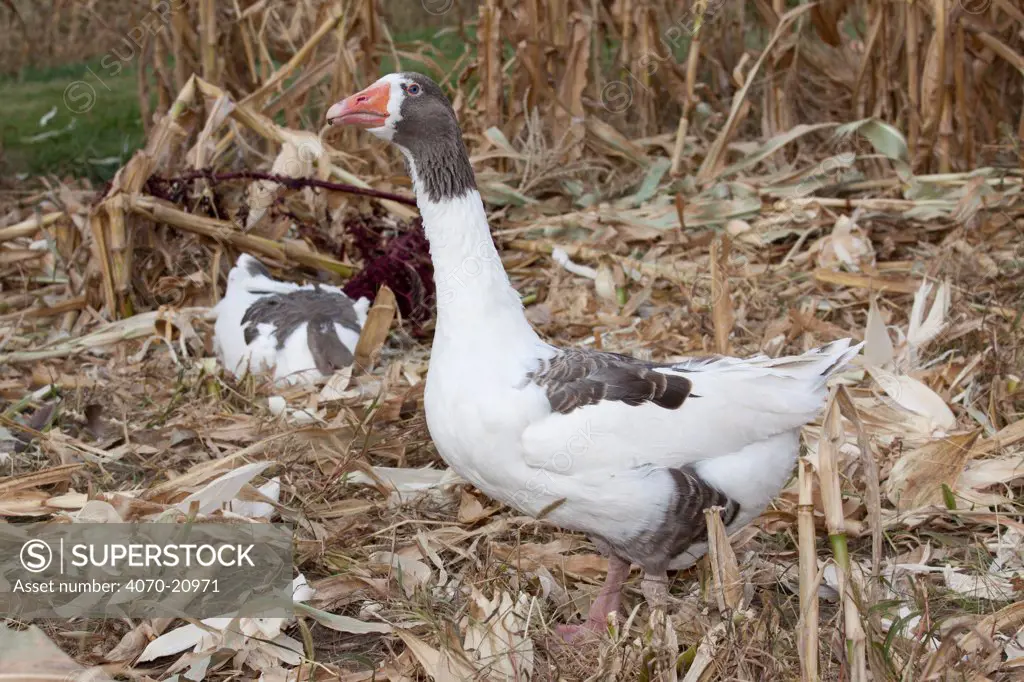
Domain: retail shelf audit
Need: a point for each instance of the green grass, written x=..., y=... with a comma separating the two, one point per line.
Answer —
x=95, y=129
x=94, y=141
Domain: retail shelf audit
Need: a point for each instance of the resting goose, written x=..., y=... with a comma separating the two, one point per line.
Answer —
x=301, y=333
x=627, y=451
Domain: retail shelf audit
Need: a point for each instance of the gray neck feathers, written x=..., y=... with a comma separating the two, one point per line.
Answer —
x=440, y=162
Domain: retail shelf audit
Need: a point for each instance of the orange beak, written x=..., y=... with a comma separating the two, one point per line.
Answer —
x=366, y=109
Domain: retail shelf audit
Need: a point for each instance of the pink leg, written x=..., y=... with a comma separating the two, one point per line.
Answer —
x=608, y=600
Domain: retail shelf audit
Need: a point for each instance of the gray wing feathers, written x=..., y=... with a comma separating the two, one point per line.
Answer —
x=319, y=309
x=576, y=378
x=329, y=353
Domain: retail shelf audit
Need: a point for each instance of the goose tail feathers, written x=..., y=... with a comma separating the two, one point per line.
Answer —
x=818, y=364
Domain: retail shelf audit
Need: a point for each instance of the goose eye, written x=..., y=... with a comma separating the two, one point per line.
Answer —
x=413, y=89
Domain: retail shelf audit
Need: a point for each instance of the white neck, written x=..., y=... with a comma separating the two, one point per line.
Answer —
x=475, y=300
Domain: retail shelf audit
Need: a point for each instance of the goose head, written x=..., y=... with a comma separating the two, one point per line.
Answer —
x=410, y=111
x=247, y=268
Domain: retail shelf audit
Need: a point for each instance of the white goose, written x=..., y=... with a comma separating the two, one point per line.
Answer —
x=299, y=332
x=627, y=451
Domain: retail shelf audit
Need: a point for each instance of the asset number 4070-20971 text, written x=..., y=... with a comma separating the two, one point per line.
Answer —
x=173, y=585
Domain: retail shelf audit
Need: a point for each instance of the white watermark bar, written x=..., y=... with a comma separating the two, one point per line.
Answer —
x=145, y=570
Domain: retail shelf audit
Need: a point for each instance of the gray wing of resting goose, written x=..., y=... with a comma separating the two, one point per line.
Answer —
x=320, y=308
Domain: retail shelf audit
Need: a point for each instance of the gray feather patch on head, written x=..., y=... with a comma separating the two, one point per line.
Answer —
x=319, y=309
x=430, y=133
x=256, y=268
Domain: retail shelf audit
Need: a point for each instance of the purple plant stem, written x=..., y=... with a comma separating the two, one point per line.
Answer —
x=291, y=183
